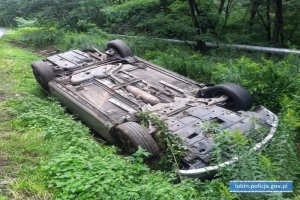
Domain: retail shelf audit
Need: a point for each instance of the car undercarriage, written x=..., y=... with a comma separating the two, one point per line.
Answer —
x=108, y=89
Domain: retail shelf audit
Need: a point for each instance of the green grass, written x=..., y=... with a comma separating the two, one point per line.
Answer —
x=51, y=155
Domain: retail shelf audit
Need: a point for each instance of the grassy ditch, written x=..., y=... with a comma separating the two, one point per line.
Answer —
x=51, y=155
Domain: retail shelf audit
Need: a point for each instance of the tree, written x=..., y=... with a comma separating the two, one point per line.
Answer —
x=195, y=12
x=221, y=6
x=244, y=21
x=254, y=9
x=278, y=24
x=268, y=23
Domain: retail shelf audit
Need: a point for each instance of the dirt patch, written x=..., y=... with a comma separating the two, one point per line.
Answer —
x=2, y=97
x=5, y=133
x=22, y=46
x=4, y=181
x=45, y=51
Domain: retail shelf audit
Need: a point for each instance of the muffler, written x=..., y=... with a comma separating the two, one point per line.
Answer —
x=148, y=98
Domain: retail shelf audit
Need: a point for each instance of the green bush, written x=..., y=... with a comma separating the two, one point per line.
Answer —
x=94, y=37
x=122, y=18
x=38, y=37
x=22, y=22
x=62, y=39
x=268, y=81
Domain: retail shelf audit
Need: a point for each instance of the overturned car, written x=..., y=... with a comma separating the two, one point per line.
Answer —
x=108, y=89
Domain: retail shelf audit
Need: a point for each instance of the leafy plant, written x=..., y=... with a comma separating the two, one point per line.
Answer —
x=22, y=22
x=138, y=156
x=170, y=146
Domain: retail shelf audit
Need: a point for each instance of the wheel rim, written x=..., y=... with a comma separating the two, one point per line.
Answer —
x=230, y=103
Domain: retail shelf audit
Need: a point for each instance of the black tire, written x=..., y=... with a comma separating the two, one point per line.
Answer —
x=120, y=47
x=132, y=135
x=238, y=97
x=43, y=74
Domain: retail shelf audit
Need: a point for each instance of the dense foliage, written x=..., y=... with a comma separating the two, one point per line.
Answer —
x=54, y=156
x=94, y=163
x=245, y=21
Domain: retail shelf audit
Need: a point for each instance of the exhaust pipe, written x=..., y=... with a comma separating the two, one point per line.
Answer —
x=148, y=98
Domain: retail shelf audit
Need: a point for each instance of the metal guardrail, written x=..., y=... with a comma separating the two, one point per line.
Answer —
x=263, y=49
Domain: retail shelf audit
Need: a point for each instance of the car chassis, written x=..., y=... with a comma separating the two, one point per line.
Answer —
x=107, y=90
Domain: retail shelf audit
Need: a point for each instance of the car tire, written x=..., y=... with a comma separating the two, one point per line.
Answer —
x=238, y=97
x=43, y=73
x=132, y=135
x=120, y=47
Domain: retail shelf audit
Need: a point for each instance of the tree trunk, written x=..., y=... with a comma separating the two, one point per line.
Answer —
x=221, y=7
x=277, y=32
x=194, y=11
x=268, y=24
x=164, y=5
x=193, y=16
x=254, y=8
x=227, y=12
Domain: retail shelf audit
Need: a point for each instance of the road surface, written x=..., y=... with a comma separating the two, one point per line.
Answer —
x=2, y=31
